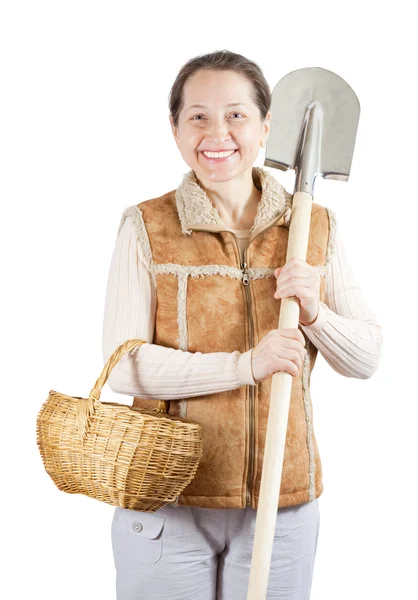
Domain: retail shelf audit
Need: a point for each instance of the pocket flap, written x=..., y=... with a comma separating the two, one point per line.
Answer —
x=144, y=524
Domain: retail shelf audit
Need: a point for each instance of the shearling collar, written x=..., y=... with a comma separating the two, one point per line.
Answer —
x=195, y=208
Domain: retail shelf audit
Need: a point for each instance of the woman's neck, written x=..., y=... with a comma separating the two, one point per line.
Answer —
x=236, y=203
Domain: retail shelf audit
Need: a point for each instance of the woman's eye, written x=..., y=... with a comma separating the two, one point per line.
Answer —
x=194, y=118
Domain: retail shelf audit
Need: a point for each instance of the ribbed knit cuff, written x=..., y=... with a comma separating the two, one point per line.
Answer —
x=320, y=321
x=245, y=372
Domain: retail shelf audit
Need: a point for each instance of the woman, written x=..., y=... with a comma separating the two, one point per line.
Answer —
x=199, y=273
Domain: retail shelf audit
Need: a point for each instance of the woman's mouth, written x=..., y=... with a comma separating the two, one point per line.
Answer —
x=216, y=157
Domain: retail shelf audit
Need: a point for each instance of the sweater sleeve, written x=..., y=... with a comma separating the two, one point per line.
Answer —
x=346, y=331
x=152, y=371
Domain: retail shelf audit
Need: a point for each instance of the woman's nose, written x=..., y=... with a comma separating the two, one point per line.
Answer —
x=218, y=131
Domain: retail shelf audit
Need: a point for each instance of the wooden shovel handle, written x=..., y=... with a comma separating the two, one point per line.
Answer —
x=281, y=387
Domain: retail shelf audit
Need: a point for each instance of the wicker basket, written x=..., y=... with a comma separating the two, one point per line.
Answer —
x=122, y=455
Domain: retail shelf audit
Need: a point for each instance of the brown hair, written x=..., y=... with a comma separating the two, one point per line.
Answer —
x=222, y=60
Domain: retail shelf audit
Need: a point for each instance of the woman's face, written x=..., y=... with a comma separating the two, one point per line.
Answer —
x=215, y=126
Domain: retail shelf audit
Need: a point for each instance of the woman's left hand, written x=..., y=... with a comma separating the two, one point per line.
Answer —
x=298, y=278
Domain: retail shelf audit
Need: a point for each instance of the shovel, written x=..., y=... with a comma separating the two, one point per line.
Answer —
x=314, y=122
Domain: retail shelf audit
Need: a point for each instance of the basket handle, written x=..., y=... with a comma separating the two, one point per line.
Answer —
x=85, y=406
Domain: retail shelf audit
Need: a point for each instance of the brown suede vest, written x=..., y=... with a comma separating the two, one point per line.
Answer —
x=210, y=299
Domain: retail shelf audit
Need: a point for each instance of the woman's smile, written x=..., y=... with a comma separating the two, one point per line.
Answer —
x=214, y=159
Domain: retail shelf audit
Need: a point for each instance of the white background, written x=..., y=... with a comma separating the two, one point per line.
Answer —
x=84, y=134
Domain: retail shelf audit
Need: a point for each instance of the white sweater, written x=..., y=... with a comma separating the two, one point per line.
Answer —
x=346, y=331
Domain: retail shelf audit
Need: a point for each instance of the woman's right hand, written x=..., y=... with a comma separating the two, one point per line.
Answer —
x=279, y=350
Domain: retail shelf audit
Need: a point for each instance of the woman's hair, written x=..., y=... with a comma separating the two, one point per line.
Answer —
x=221, y=60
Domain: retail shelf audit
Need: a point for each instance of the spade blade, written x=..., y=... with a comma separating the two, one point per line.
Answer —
x=314, y=119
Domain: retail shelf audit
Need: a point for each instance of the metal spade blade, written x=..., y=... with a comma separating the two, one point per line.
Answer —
x=314, y=121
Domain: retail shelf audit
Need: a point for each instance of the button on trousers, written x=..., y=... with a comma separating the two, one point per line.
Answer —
x=192, y=553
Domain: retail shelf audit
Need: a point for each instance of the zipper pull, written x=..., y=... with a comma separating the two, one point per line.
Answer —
x=245, y=279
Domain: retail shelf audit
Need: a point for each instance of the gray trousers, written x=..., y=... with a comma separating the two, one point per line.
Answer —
x=191, y=553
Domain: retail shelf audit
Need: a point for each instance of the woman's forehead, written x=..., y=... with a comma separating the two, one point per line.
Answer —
x=228, y=86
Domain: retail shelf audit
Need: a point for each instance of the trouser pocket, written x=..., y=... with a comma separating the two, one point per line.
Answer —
x=137, y=537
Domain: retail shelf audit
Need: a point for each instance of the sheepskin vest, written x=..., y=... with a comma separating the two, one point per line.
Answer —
x=212, y=299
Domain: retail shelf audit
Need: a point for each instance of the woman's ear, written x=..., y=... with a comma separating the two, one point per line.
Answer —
x=174, y=130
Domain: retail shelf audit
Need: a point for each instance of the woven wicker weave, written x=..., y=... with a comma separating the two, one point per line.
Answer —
x=122, y=455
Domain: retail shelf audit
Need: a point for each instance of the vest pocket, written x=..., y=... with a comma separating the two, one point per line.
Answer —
x=137, y=537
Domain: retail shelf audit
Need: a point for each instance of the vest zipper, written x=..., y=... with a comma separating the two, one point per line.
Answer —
x=246, y=282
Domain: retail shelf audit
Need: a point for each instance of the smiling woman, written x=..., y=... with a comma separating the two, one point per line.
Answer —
x=199, y=273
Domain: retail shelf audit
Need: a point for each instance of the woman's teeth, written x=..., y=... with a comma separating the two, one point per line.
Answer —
x=218, y=154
